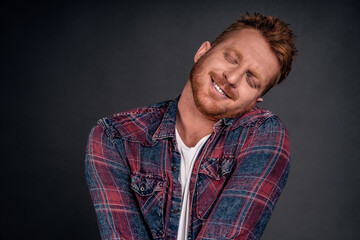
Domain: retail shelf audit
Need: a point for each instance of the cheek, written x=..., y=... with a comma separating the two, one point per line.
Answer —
x=248, y=94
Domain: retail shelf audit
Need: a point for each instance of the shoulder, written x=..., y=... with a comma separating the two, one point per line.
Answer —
x=136, y=124
x=265, y=138
x=260, y=119
x=266, y=130
x=260, y=126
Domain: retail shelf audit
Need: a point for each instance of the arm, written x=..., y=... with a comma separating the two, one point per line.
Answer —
x=249, y=197
x=108, y=178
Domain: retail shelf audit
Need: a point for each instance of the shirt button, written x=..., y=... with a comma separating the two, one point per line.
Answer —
x=174, y=169
x=176, y=211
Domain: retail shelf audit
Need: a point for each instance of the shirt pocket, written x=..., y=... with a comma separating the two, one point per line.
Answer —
x=150, y=192
x=212, y=177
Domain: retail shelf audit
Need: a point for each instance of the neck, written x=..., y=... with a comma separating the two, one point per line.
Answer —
x=191, y=124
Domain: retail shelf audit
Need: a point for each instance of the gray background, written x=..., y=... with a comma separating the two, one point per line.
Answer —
x=66, y=64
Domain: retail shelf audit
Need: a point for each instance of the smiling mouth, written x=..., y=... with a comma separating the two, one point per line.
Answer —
x=217, y=87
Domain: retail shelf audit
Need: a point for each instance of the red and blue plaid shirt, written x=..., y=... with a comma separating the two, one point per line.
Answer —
x=132, y=170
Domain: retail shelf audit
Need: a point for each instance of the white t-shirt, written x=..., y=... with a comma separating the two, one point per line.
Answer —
x=188, y=156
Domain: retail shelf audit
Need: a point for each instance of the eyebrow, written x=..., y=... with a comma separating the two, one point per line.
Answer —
x=239, y=55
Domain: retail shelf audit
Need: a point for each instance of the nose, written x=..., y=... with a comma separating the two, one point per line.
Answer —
x=234, y=75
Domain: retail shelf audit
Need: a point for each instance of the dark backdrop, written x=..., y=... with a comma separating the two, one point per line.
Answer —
x=65, y=64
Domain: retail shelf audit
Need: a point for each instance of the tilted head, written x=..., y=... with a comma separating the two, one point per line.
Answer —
x=276, y=32
x=233, y=73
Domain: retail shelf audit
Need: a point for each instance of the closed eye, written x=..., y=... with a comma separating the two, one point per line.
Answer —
x=250, y=80
x=230, y=59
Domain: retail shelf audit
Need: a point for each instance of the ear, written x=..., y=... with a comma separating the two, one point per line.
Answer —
x=260, y=99
x=202, y=50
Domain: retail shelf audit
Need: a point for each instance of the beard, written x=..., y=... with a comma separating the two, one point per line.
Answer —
x=212, y=110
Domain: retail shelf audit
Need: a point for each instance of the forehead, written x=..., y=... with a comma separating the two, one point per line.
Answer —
x=254, y=49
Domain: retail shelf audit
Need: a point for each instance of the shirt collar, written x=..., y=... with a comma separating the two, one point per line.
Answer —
x=166, y=128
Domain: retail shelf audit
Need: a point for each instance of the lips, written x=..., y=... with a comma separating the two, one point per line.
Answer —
x=218, y=88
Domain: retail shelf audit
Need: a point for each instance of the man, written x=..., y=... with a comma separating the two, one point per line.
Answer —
x=209, y=164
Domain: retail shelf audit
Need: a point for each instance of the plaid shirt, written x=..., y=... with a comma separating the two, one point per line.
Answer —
x=132, y=170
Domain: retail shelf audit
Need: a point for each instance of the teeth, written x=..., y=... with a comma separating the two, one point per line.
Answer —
x=219, y=89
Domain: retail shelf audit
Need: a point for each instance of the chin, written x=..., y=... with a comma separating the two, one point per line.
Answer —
x=212, y=111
